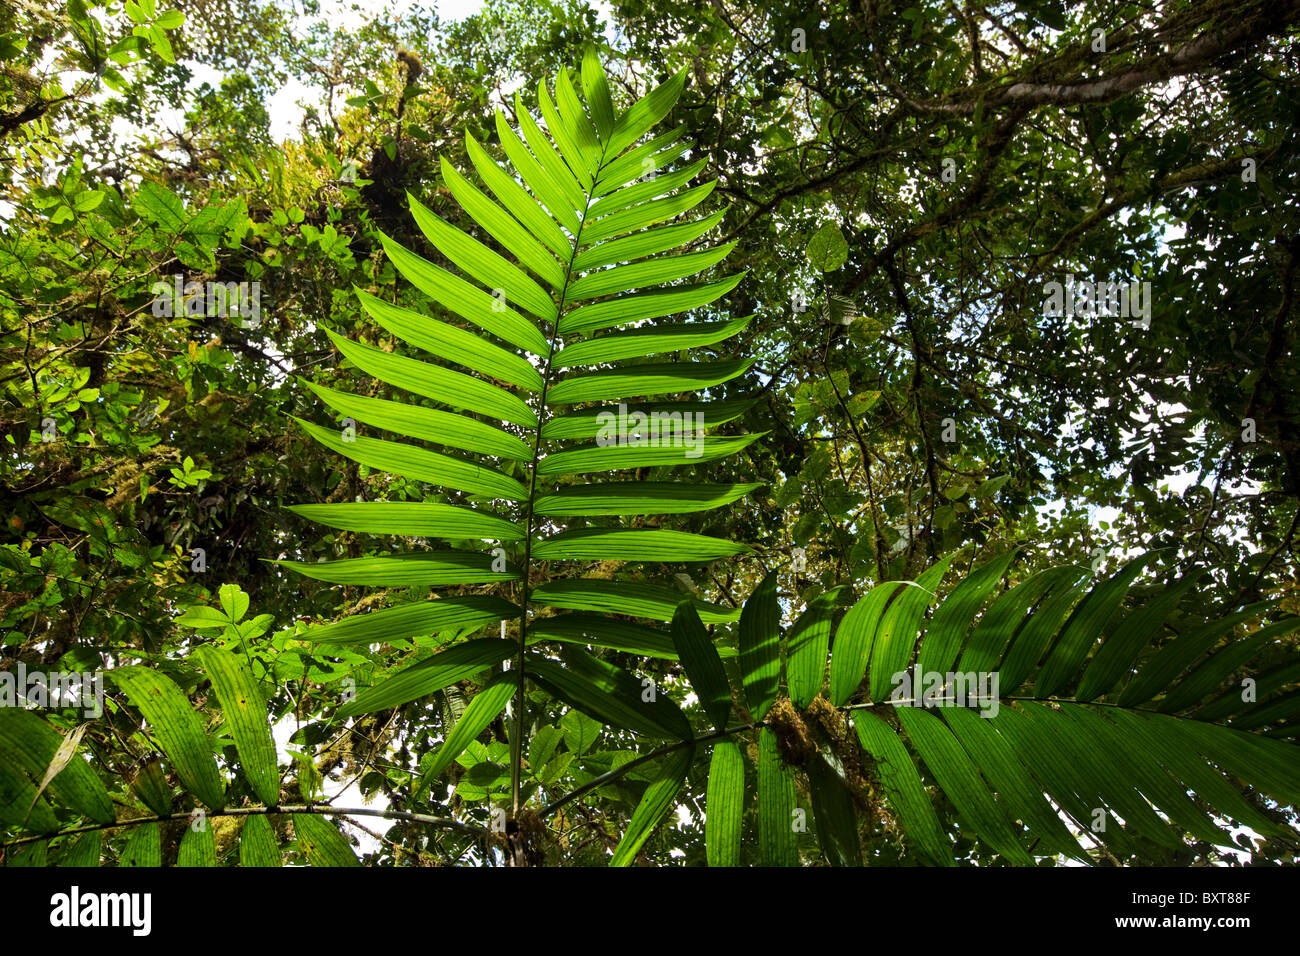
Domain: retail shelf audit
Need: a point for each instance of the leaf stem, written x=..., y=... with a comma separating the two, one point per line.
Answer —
x=318, y=809
x=644, y=758
x=517, y=739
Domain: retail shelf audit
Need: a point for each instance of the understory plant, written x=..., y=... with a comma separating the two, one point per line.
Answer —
x=575, y=425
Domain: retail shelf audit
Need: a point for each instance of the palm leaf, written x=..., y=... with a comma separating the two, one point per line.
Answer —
x=578, y=232
x=1086, y=741
x=1121, y=728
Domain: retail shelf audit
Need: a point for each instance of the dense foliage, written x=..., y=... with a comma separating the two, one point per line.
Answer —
x=295, y=456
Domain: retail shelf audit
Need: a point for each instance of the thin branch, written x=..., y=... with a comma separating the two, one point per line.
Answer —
x=317, y=809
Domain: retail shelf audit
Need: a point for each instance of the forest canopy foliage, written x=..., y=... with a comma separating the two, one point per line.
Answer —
x=745, y=433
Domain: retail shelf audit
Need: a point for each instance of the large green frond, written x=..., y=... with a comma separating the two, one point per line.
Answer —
x=578, y=225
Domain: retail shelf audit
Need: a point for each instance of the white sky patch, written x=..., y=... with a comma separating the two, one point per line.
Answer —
x=285, y=105
x=344, y=792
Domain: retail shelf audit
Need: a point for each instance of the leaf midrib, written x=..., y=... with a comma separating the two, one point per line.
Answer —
x=516, y=744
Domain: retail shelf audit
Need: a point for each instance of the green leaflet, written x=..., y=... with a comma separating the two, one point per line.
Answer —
x=599, y=631
x=1060, y=773
x=640, y=380
x=646, y=214
x=1276, y=713
x=808, y=645
x=1142, y=771
x=245, y=713
x=257, y=846
x=1231, y=702
x=961, y=781
x=408, y=569
x=610, y=694
x=546, y=189
x=639, y=498
x=588, y=423
x=1180, y=757
x=1209, y=675
x=456, y=663
x=646, y=113
x=1178, y=655
x=412, y=620
x=143, y=847
x=655, y=803
x=28, y=745
x=617, y=457
x=834, y=818
x=1271, y=765
x=412, y=518
x=577, y=121
x=577, y=154
x=896, y=636
x=33, y=854
x=642, y=160
x=198, y=847
x=599, y=544
x=596, y=89
x=531, y=212
x=640, y=164
x=480, y=262
x=482, y=710
x=1036, y=633
x=428, y=424
x=853, y=640
x=452, y=344
x=1098, y=762
x=19, y=803
x=83, y=850
x=503, y=227
x=201, y=617
x=638, y=275
x=321, y=841
x=648, y=340
x=551, y=162
x=625, y=310
x=903, y=786
x=571, y=129
x=724, y=805
x=646, y=189
x=450, y=291
x=760, y=647
x=988, y=642
x=433, y=381
x=647, y=243
x=151, y=786
x=778, y=841
x=176, y=727
x=702, y=664
x=952, y=619
x=1117, y=654
x=234, y=602
x=1084, y=628
x=994, y=755
x=411, y=461
x=625, y=597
